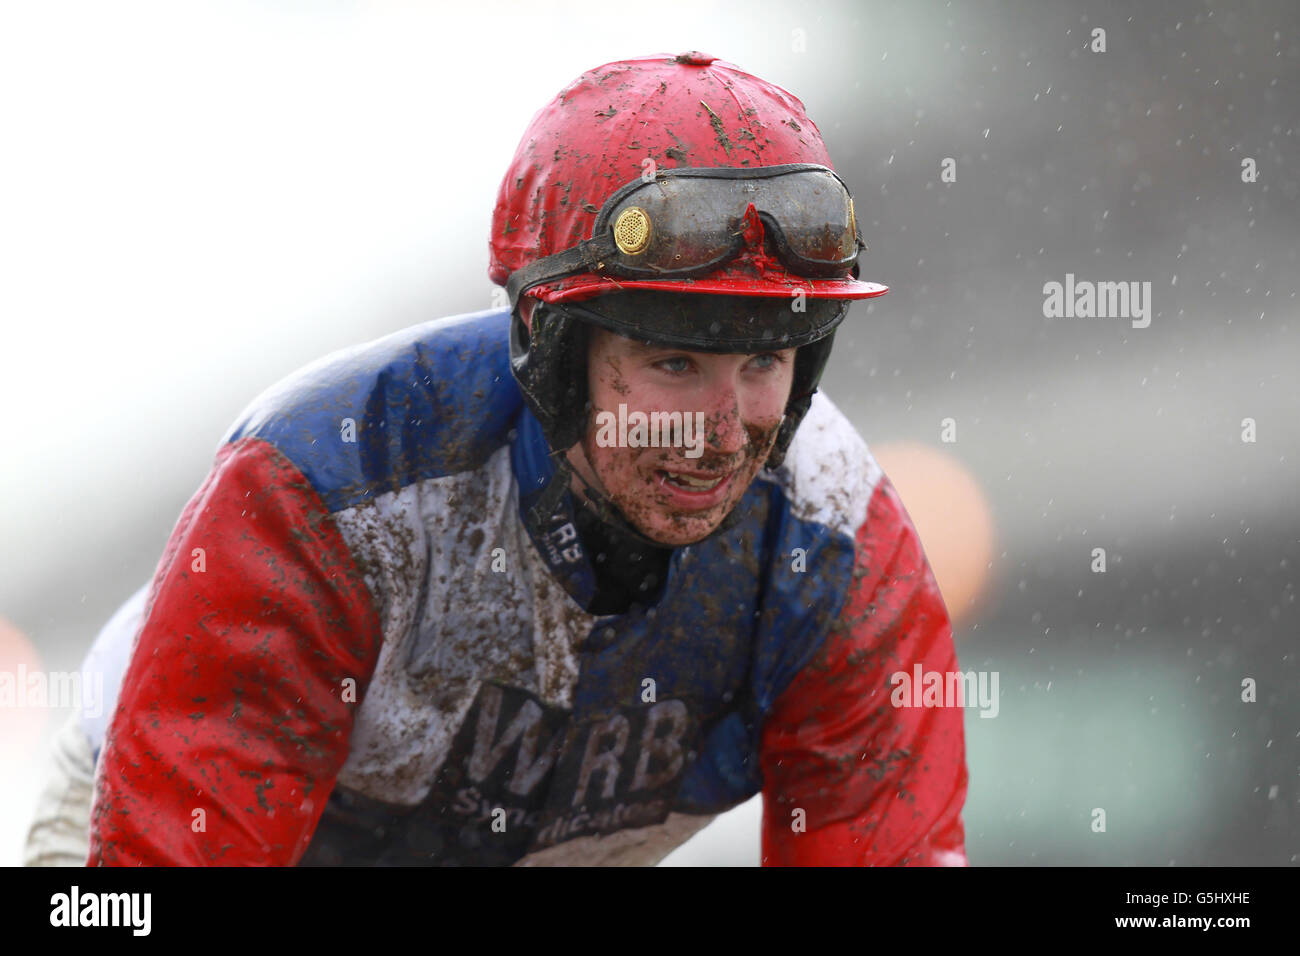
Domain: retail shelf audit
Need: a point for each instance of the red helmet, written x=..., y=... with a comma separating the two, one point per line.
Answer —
x=613, y=124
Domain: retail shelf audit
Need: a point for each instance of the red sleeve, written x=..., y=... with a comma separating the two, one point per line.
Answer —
x=233, y=701
x=879, y=785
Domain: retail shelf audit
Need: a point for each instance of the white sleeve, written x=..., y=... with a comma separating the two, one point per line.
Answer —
x=60, y=830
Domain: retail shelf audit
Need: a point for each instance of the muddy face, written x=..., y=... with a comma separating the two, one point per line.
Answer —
x=729, y=408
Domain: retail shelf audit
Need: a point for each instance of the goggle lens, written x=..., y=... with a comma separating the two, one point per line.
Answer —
x=683, y=222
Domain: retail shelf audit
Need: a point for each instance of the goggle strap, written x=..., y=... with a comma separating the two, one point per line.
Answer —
x=584, y=257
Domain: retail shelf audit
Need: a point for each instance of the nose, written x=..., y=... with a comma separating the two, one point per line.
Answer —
x=724, y=423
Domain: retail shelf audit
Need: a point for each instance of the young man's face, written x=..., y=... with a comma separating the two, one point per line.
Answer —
x=678, y=495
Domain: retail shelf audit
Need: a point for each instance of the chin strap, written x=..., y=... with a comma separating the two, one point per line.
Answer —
x=599, y=504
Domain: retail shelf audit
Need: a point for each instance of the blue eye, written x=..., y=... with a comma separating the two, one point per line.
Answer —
x=767, y=360
x=675, y=365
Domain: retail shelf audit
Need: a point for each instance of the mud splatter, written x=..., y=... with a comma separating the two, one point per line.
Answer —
x=718, y=130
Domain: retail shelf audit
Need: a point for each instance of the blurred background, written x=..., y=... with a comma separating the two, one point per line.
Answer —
x=198, y=198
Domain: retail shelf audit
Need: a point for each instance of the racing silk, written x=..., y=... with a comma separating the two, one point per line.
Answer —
x=362, y=646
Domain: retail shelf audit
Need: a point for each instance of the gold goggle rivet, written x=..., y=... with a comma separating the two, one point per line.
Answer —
x=632, y=230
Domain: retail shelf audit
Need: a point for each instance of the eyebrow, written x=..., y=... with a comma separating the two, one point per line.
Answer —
x=641, y=347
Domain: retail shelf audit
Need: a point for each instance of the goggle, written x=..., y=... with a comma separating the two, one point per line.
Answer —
x=689, y=222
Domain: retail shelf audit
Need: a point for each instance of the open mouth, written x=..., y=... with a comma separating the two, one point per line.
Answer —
x=692, y=483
